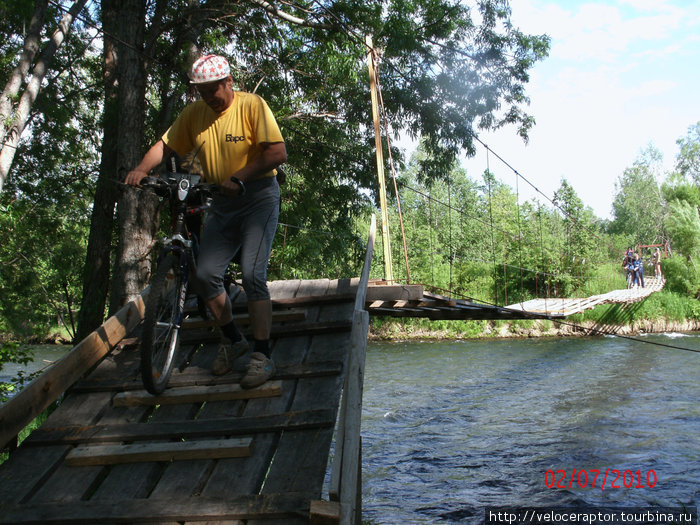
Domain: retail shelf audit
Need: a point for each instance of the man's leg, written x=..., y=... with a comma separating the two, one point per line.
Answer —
x=261, y=366
x=260, y=318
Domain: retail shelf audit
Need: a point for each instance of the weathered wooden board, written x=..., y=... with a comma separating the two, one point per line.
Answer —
x=242, y=506
x=163, y=451
x=295, y=314
x=197, y=394
x=182, y=429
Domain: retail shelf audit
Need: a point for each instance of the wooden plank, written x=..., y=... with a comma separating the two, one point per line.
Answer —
x=286, y=316
x=168, y=451
x=193, y=376
x=196, y=508
x=197, y=394
x=292, y=330
x=64, y=483
x=249, y=474
x=389, y=292
x=344, y=478
x=323, y=512
x=302, y=456
x=201, y=427
x=45, y=389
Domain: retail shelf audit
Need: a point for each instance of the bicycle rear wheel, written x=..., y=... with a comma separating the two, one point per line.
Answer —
x=160, y=338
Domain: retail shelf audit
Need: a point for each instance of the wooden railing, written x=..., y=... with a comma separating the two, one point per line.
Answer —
x=32, y=400
x=346, y=471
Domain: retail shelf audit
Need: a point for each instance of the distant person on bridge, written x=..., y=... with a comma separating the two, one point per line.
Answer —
x=636, y=268
x=627, y=265
x=239, y=146
x=639, y=264
x=656, y=261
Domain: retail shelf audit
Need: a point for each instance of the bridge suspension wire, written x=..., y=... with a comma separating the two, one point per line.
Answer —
x=493, y=246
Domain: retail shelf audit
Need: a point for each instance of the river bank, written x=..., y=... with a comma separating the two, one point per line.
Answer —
x=399, y=330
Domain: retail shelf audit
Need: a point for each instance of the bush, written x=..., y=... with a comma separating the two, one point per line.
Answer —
x=681, y=276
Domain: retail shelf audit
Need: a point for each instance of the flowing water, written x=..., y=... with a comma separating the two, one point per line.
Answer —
x=450, y=428
x=43, y=357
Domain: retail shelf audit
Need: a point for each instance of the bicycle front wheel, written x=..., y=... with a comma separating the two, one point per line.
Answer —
x=160, y=338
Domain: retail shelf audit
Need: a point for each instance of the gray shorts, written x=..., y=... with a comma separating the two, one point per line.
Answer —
x=247, y=223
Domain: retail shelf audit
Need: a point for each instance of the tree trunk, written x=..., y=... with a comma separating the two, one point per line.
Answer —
x=137, y=209
x=97, y=261
x=31, y=47
x=7, y=154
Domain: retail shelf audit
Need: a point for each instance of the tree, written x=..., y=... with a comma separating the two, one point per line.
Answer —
x=11, y=137
x=445, y=76
x=688, y=159
x=683, y=226
x=638, y=206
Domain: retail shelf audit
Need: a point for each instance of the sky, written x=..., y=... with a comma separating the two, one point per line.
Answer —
x=621, y=75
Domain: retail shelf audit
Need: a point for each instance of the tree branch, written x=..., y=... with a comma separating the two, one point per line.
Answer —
x=282, y=15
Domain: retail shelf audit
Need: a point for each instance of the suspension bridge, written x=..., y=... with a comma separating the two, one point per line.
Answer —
x=205, y=450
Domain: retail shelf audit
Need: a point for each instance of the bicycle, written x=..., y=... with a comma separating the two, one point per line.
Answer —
x=165, y=304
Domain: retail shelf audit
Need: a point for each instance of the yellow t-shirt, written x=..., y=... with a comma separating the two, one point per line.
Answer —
x=230, y=140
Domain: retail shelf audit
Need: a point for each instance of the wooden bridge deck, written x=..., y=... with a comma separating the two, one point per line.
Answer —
x=567, y=307
x=206, y=450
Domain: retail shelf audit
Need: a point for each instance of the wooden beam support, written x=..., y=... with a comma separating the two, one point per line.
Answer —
x=189, y=429
x=85, y=455
x=197, y=394
x=324, y=512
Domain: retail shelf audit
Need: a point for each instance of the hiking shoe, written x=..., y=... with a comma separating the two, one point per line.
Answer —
x=228, y=353
x=260, y=369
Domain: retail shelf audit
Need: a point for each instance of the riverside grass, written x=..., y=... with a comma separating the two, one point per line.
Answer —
x=660, y=312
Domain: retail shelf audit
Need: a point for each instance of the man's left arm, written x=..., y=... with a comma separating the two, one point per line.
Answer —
x=273, y=154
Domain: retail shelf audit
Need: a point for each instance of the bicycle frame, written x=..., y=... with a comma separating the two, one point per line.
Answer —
x=165, y=313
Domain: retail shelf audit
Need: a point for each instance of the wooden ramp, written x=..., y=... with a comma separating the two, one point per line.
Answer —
x=205, y=451
x=566, y=307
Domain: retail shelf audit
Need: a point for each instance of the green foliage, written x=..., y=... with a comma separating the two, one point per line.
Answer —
x=682, y=276
x=12, y=352
x=683, y=225
x=688, y=160
x=638, y=205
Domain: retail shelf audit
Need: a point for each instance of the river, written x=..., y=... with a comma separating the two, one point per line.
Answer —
x=450, y=428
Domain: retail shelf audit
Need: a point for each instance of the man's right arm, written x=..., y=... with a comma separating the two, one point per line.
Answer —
x=151, y=159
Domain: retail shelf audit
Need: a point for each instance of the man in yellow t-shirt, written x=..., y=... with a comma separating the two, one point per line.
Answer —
x=239, y=146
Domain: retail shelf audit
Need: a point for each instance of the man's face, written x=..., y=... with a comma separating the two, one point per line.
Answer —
x=218, y=95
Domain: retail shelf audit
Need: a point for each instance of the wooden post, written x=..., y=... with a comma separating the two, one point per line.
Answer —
x=345, y=484
x=388, y=272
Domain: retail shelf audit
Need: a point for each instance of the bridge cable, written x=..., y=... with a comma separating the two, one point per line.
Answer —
x=493, y=240
x=520, y=240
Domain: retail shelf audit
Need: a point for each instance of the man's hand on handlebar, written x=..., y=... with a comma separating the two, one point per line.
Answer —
x=134, y=177
x=230, y=188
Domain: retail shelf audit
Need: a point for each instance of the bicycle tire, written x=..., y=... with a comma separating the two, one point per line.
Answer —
x=160, y=337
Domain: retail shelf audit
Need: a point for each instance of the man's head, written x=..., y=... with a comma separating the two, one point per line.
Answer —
x=211, y=75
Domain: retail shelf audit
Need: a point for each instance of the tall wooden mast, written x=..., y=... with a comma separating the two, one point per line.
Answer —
x=386, y=244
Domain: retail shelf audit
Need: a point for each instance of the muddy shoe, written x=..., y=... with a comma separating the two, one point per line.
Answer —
x=228, y=353
x=260, y=369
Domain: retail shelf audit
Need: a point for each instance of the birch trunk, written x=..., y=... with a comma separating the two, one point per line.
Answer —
x=31, y=47
x=7, y=154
